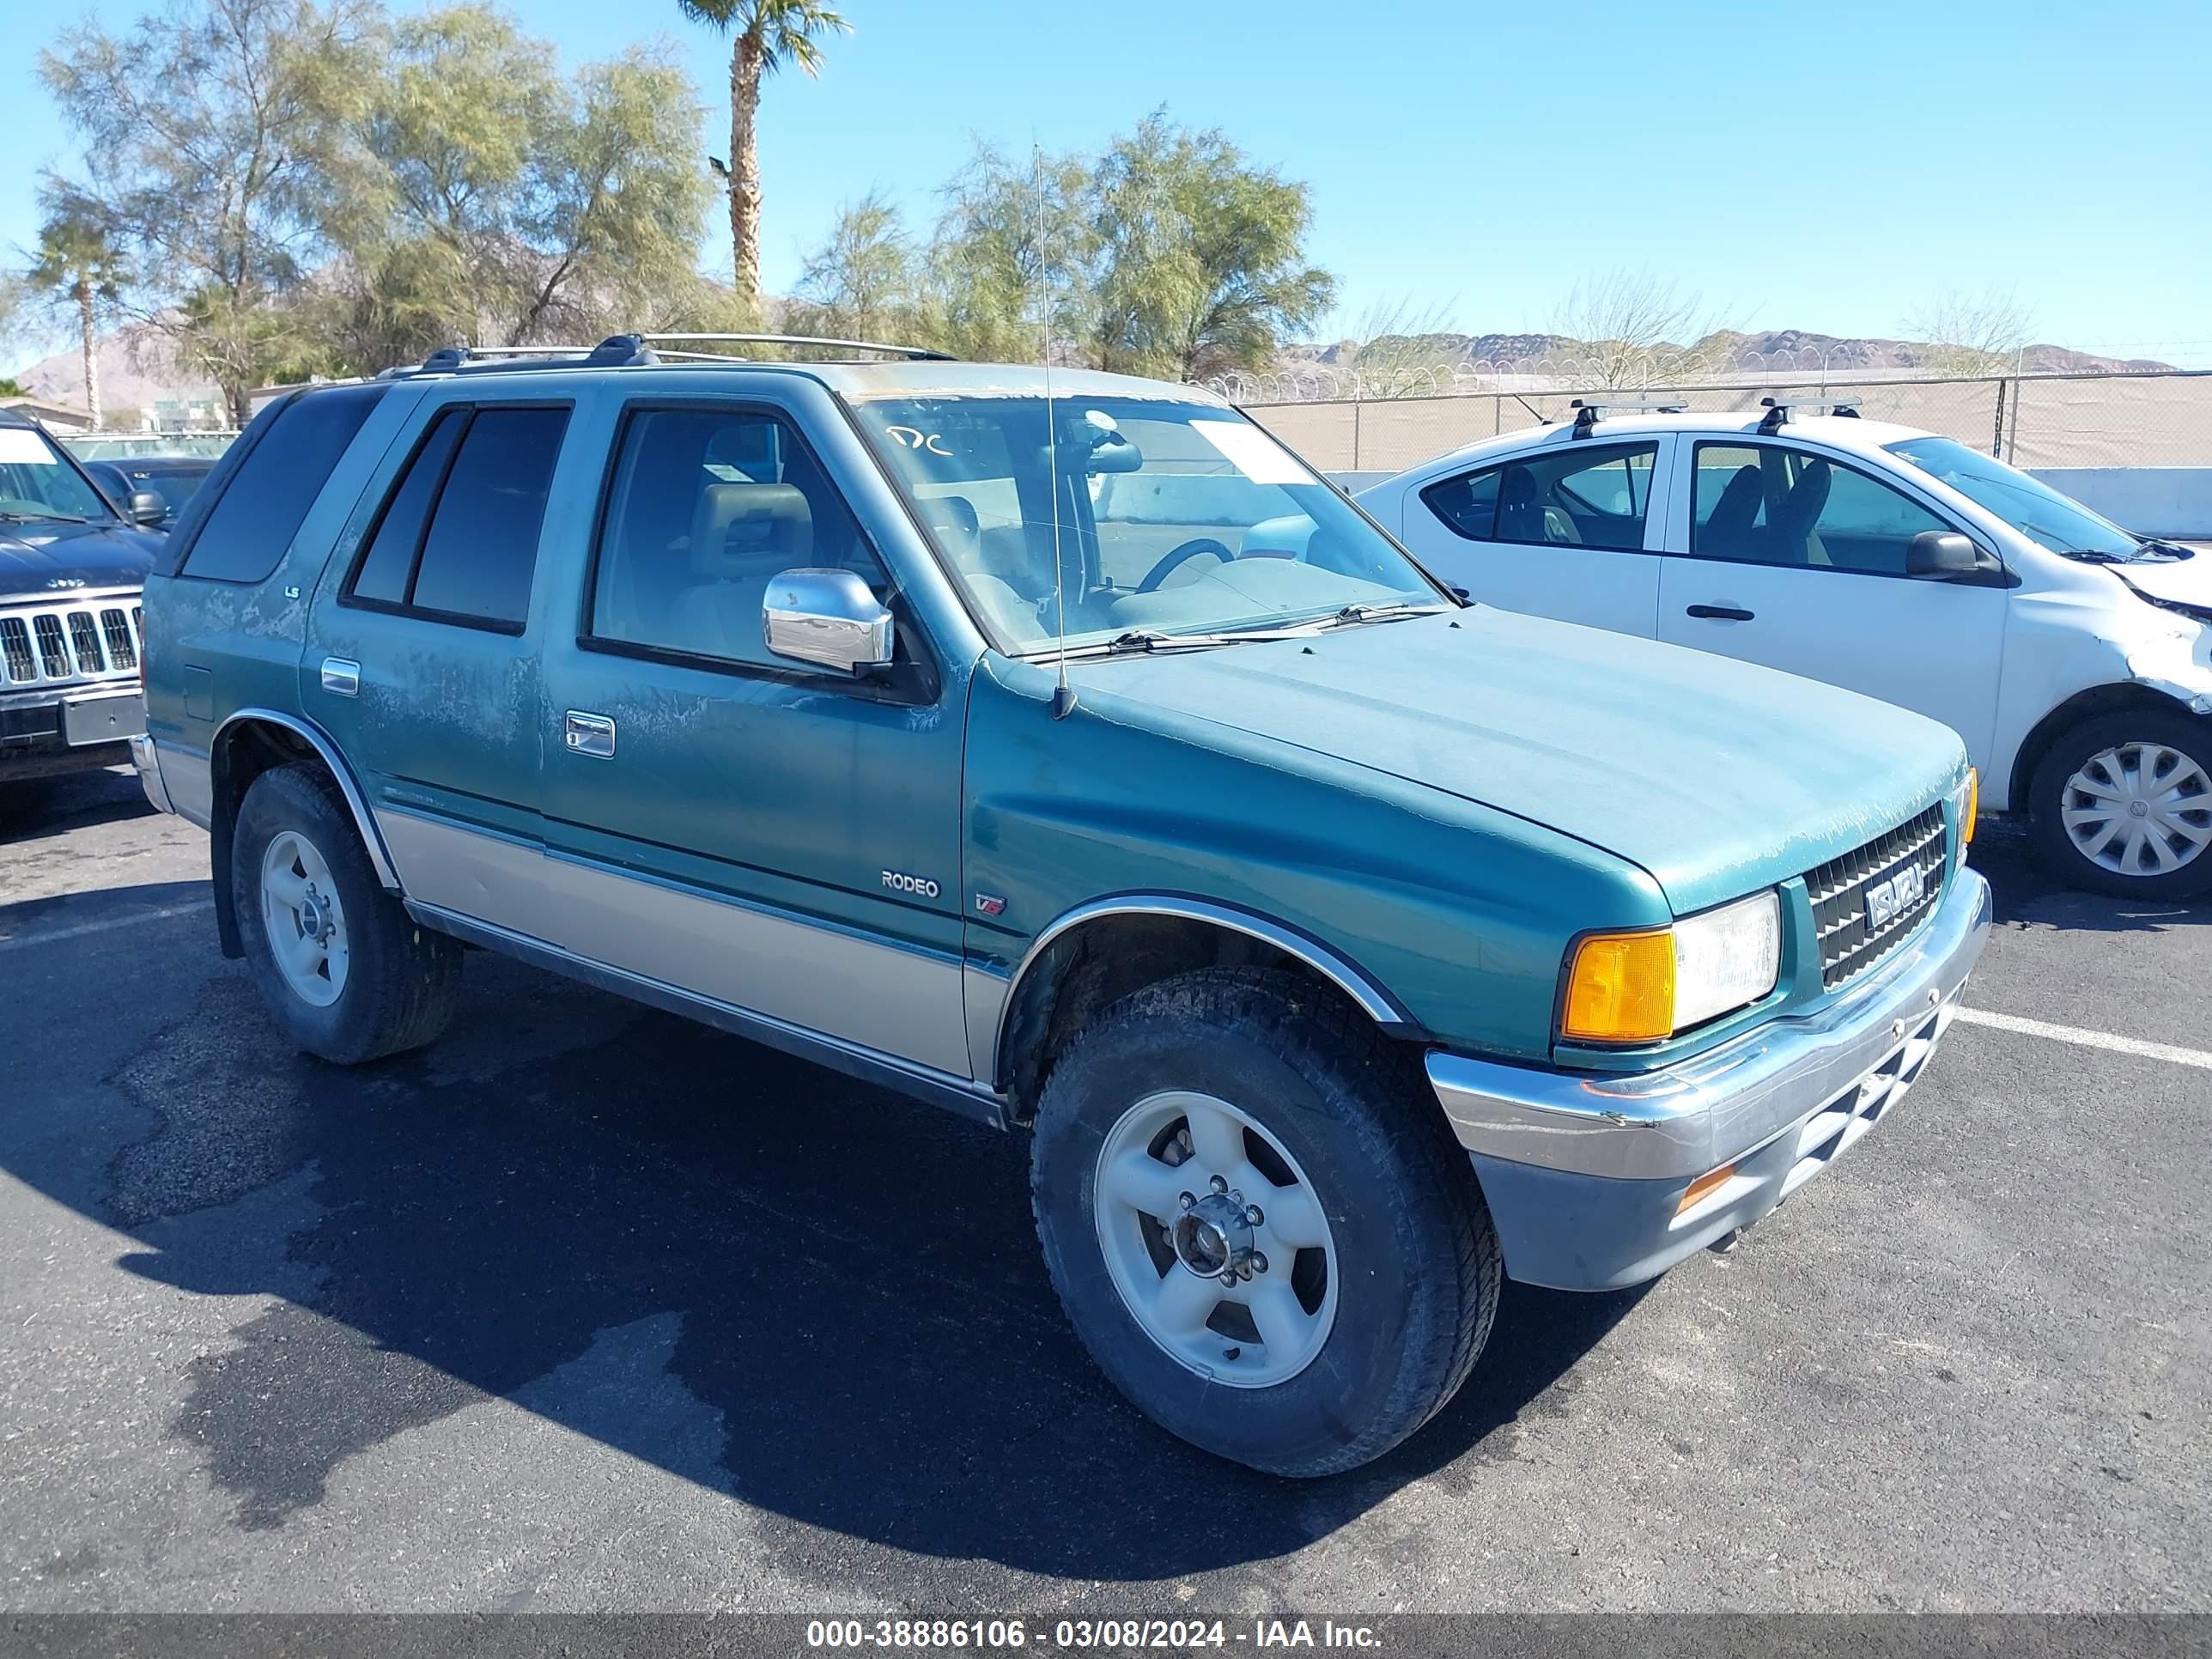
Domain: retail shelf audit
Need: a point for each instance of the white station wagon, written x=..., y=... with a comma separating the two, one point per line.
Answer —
x=2074, y=657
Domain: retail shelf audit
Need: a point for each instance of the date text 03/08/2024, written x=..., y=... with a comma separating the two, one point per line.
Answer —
x=1111, y=1634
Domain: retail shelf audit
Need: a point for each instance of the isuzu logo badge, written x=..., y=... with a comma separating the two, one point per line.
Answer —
x=1893, y=895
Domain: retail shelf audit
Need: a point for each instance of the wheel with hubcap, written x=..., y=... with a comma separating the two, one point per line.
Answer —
x=344, y=969
x=1262, y=1231
x=2123, y=804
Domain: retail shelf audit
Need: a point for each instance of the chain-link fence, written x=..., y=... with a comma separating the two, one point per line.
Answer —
x=2123, y=419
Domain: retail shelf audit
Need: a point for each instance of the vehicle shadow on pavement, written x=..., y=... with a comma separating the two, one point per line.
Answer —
x=2025, y=895
x=41, y=809
x=757, y=1274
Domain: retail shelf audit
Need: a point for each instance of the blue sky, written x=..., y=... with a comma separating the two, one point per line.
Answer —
x=1829, y=167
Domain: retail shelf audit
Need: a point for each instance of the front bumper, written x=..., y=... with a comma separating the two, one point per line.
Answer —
x=1584, y=1174
x=45, y=733
x=144, y=757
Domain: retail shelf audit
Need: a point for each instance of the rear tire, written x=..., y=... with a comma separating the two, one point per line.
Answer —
x=2122, y=805
x=1381, y=1267
x=345, y=971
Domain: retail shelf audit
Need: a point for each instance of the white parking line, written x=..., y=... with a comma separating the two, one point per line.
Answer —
x=56, y=935
x=2106, y=1040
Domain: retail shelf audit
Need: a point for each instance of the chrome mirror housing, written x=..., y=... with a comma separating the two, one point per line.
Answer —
x=827, y=618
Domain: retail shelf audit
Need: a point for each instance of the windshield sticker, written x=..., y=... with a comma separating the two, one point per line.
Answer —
x=914, y=438
x=22, y=448
x=1253, y=453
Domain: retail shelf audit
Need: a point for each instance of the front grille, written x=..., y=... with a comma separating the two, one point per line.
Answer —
x=1838, y=891
x=61, y=644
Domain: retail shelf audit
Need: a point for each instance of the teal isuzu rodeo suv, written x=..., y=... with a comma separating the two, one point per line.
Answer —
x=1062, y=750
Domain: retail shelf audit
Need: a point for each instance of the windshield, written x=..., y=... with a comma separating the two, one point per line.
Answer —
x=36, y=483
x=1174, y=518
x=2036, y=510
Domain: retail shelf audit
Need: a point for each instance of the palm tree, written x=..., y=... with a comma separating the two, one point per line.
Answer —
x=765, y=35
x=77, y=264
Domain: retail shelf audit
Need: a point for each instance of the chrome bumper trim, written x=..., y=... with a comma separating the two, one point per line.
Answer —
x=149, y=765
x=1683, y=1120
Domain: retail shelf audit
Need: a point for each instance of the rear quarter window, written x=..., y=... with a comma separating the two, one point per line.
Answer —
x=281, y=469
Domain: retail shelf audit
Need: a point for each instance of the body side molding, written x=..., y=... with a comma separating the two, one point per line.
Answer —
x=1347, y=976
x=926, y=1083
x=380, y=860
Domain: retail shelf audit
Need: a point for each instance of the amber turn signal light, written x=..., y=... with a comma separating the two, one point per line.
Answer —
x=1704, y=1186
x=1621, y=988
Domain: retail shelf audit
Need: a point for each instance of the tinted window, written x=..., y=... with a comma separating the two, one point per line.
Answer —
x=1468, y=503
x=1579, y=496
x=706, y=506
x=389, y=560
x=481, y=547
x=277, y=479
x=1765, y=504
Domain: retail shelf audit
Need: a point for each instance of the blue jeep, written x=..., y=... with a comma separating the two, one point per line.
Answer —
x=1058, y=748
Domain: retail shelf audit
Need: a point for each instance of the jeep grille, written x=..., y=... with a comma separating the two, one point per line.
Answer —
x=51, y=645
x=1838, y=891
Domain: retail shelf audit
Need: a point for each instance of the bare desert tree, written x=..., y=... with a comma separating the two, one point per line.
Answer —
x=1399, y=349
x=1972, y=333
x=1636, y=328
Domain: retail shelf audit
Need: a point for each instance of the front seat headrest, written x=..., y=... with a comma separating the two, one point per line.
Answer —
x=746, y=530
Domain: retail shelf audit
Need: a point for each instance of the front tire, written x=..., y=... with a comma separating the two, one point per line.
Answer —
x=1362, y=1270
x=345, y=971
x=2123, y=804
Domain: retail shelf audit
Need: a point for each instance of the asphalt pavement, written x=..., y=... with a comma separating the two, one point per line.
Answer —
x=586, y=1307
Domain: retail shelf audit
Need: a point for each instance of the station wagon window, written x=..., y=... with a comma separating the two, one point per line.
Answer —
x=262, y=507
x=1578, y=496
x=1769, y=504
x=457, y=538
x=706, y=506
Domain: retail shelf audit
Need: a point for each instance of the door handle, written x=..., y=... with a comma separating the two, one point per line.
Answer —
x=591, y=735
x=1721, y=612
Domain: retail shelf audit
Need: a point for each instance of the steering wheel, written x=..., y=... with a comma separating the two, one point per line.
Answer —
x=1176, y=557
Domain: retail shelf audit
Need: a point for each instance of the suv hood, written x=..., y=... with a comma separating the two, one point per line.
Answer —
x=1715, y=776
x=43, y=559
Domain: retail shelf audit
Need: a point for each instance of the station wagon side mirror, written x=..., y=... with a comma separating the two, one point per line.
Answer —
x=1941, y=553
x=827, y=618
x=146, y=509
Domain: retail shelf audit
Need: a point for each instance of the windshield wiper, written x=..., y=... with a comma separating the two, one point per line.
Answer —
x=2091, y=556
x=2153, y=547
x=1395, y=611
x=15, y=516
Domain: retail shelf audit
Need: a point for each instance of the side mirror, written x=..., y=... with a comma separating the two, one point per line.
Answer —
x=827, y=619
x=1941, y=553
x=146, y=508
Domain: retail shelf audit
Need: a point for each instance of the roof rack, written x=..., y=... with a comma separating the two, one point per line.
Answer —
x=916, y=354
x=1779, y=410
x=616, y=350
x=1589, y=411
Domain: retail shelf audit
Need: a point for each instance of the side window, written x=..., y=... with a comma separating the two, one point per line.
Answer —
x=1578, y=495
x=261, y=506
x=706, y=506
x=458, y=537
x=1765, y=504
x=1467, y=504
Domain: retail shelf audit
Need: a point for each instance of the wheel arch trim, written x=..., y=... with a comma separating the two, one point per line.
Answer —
x=1339, y=971
x=380, y=857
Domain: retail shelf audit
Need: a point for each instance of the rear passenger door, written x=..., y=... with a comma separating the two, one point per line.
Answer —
x=772, y=837
x=423, y=653
x=1561, y=531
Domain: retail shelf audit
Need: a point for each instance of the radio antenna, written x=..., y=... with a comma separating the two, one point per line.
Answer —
x=1063, y=694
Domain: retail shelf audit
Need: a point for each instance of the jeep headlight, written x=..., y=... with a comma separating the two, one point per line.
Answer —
x=1645, y=985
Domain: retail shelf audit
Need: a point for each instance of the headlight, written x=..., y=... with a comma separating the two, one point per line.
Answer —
x=1967, y=801
x=1642, y=987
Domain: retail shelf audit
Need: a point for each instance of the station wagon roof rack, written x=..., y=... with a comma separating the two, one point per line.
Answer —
x=1589, y=411
x=633, y=350
x=1779, y=410
x=616, y=351
x=916, y=354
